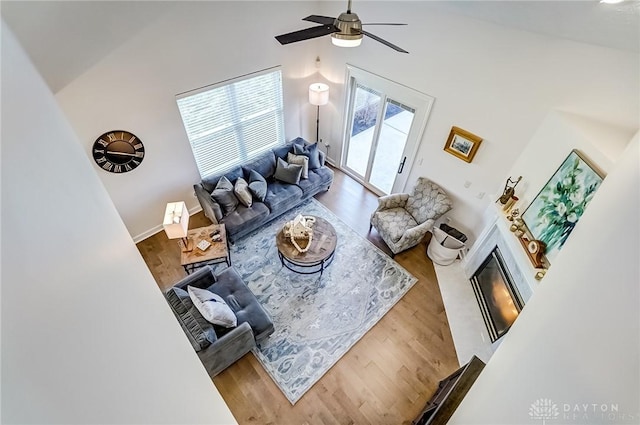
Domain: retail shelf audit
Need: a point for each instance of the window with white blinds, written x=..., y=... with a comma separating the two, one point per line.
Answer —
x=233, y=121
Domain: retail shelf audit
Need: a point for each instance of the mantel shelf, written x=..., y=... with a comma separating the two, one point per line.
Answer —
x=519, y=251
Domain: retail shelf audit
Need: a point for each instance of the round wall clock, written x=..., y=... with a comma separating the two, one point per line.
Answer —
x=118, y=151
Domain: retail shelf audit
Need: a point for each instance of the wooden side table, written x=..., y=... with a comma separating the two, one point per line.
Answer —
x=217, y=253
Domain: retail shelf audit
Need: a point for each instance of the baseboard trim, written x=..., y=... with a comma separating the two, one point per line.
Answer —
x=156, y=229
x=144, y=235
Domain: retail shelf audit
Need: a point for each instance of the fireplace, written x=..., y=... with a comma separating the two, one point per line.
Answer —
x=499, y=299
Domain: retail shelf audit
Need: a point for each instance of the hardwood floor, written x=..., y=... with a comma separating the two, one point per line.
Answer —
x=384, y=379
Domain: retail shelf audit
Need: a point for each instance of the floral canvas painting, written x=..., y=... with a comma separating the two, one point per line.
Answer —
x=555, y=211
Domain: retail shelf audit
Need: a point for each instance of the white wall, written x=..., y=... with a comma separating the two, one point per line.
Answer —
x=134, y=88
x=558, y=134
x=87, y=337
x=578, y=339
x=495, y=82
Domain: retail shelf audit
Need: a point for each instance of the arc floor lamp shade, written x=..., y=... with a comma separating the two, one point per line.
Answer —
x=318, y=96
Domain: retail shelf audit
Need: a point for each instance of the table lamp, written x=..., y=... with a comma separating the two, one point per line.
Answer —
x=176, y=224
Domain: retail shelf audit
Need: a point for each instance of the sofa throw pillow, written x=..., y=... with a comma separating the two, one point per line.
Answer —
x=310, y=151
x=217, y=210
x=300, y=160
x=288, y=173
x=199, y=331
x=212, y=307
x=241, y=189
x=257, y=185
x=223, y=194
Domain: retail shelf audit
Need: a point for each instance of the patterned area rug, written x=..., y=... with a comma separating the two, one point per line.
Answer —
x=317, y=319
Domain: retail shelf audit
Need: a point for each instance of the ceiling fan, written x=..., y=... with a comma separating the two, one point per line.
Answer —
x=346, y=30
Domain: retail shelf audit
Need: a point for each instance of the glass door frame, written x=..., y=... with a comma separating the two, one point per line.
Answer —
x=381, y=142
x=420, y=102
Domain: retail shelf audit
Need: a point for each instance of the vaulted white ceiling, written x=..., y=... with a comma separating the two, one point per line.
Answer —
x=588, y=21
x=65, y=38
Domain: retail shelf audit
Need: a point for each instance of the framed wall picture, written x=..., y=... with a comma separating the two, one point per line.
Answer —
x=462, y=144
x=556, y=209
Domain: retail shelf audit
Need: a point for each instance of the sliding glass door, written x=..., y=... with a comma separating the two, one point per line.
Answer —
x=384, y=125
x=390, y=156
x=363, y=119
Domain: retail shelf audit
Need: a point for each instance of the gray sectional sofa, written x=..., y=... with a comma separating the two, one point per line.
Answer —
x=218, y=347
x=280, y=196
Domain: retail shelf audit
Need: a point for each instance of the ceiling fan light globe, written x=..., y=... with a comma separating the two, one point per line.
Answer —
x=350, y=27
x=342, y=40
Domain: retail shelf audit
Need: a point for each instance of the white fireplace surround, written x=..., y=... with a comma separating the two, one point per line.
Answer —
x=469, y=332
x=513, y=254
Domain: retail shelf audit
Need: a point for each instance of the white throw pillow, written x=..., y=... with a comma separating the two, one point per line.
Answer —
x=241, y=189
x=212, y=307
x=300, y=160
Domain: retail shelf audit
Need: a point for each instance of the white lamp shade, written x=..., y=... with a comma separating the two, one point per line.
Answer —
x=318, y=94
x=176, y=220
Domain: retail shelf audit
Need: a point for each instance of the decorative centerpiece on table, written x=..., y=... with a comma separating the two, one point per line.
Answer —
x=300, y=228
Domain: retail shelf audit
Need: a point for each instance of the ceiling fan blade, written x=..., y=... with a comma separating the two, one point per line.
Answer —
x=382, y=23
x=306, y=34
x=385, y=42
x=326, y=20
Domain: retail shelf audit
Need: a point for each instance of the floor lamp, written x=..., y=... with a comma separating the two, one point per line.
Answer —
x=318, y=95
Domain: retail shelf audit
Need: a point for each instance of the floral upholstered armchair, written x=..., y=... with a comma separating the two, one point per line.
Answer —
x=402, y=220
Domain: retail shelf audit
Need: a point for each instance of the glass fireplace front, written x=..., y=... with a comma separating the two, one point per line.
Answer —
x=498, y=298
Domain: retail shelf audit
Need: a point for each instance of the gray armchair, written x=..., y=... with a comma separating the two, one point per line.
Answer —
x=403, y=219
x=219, y=347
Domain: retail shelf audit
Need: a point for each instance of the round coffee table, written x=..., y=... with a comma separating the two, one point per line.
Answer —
x=319, y=255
